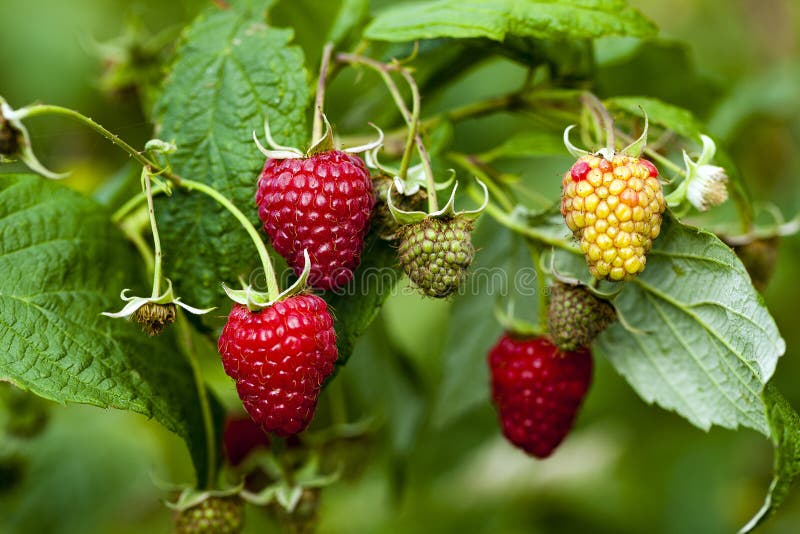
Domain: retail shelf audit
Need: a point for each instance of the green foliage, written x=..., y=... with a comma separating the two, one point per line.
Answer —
x=527, y=144
x=466, y=379
x=499, y=82
x=497, y=19
x=373, y=282
x=704, y=344
x=63, y=265
x=784, y=425
x=231, y=72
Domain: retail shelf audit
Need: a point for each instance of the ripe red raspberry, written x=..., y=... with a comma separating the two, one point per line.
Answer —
x=537, y=390
x=279, y=357
x=321, y=203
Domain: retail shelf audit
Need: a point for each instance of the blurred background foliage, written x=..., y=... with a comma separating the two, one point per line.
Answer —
x=627, y=467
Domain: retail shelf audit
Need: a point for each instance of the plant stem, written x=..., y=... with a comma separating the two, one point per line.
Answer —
x=433, y=201
x=541, y=284
x=411, y=118
x=153, y=167
x=413, y=128
x=156, y=239
x=266, y=263
x=319, y=100
x=134, y=202
x=597, y=107
x=187, y=348
x=475, y=166
x=503, y=218
x=43, y=109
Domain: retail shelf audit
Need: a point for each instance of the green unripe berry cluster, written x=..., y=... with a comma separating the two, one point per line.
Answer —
x=436, y=252
x=215, y=515
x=576, y=317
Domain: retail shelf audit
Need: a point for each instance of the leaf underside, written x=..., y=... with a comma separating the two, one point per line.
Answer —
x=706, y=344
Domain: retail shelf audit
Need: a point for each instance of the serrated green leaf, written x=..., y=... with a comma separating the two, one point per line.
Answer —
x=784, y=425
x=706, y=343
x=356, y=306
x=231, y=71
x=64, y=263
x=497, y=19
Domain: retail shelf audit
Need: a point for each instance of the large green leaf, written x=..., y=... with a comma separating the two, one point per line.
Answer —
x=231, y=71
x=64, y=263
x=784, y=424
x=496, y=19
x=705, y=344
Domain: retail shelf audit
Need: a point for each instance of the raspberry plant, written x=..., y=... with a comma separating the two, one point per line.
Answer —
x=210, y=216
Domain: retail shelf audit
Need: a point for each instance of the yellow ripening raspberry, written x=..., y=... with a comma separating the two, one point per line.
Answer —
x=613, y=206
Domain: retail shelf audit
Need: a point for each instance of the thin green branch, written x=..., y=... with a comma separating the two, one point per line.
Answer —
x=273, y=289
x=156, y=238
x=134, y=203
x=413, y=129
x=541, y=282
x=410, y=117
x=319, y=100
x=44, y=109
x=473, y=165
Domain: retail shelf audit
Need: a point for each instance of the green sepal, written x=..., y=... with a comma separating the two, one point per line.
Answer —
x=636, y=148
x=447, y=212
x=258, y=300
x=415, y=176
x=325, y=143
x=285, y=492
x=191, y=497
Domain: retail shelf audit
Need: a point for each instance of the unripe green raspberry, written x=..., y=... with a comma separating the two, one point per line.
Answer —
x=436, y=252
x=215, y=515
x=614, y=208
x=575, y=316
x=382, y=221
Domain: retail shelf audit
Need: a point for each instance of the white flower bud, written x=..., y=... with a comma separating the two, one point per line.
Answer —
x=708, y=187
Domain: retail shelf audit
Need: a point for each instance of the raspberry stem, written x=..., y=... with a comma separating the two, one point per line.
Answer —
x=410, y=117
x=46, y=109
x=603, y=118
x=152, y=167
x=273, y=290
x=413, y=128
x=134, y=202
x=319, y=101
x=154, y=228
